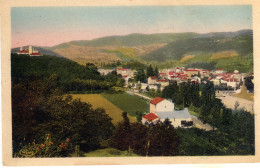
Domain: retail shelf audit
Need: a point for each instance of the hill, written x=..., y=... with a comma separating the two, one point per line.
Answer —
x=225, y=34
x=243, y=45
x=130, y=40
x=116, y=48
x=26, y=68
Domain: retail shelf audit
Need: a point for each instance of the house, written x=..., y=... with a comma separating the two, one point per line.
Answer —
x=191, y=72
x=155, y=86
x=152, y=80
x=144, y=86
x=160, y=104
x=151, y=117
x=219, y=71
x=162, y=82
x=177, y=117
x=125, y=72
x=161, y=109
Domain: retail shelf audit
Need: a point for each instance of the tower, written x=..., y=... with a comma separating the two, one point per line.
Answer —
x=30, y=49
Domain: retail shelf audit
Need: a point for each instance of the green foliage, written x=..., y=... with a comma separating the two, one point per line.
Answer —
x=110, y=152
x=177, y=49
x=158, y=139
x=128, y=103
x=46, y=149
x=140, y=76
x=249, y=84
x=26, y=68
x=39, y=108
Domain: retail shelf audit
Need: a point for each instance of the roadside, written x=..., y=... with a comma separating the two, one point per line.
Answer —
x=198, y=123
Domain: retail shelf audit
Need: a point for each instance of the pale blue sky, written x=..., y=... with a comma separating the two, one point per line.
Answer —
x=53, y=25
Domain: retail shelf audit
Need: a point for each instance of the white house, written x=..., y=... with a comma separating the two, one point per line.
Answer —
x=177, y=117
x=152, y=80
x=160, y=104
x=161, y=109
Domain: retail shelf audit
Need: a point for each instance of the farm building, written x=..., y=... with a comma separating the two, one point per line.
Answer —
x=161, y=109
x=160, y=104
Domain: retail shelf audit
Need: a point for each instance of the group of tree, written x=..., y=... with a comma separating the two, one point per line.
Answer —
x=158, y=139
x=152, y=72
x=71, y=76
x=249, y=84
x=39, y=108
x=229, y=123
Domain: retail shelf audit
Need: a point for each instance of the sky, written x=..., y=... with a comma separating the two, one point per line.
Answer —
x=49, y=26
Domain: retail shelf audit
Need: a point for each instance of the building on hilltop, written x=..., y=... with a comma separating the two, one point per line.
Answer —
x=30, y=51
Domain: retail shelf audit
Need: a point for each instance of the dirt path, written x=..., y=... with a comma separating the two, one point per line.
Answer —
x=199, y=124
x=230, y=101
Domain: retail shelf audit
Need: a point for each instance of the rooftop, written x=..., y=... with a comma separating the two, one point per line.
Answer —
x=176, y=114
x=156, y=100
x=150, y=116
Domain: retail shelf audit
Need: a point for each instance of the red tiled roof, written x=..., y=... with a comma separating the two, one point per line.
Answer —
x=35, y=54
x=153, y=77
x=156, y=100
x=122, y=69
x=171, y=72
x=124, y=76
x=24, y=51
x=191, y=70
x=150, y=116
x=161, y=80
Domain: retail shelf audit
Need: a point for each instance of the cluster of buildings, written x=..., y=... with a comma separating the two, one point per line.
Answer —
x=29, y=51
x=162, y=109
x=179, y=74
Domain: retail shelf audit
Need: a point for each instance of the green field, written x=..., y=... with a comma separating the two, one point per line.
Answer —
x=128, y=103
x=109, y=152
x=97, y=100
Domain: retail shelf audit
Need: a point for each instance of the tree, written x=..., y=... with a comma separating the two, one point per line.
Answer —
x=249, y=84
x=149, y=71
x=140, y=76
x=122, y=137
x=156, y=72
x=162, y=140
x=45, y=110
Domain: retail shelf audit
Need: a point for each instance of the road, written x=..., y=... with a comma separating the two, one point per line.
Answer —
x=138, y=94
x=199, y=124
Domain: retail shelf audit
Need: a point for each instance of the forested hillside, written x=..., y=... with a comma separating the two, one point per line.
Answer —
x=243, y=45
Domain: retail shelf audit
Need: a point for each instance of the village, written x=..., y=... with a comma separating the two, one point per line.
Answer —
x=225, y=83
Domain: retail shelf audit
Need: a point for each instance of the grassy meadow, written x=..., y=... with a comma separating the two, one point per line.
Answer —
x=109, y=152
x=97, y=100
x=128, y=103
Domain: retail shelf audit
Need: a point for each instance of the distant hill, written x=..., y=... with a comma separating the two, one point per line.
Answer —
x=225, y=34
x=40, y=49
x=242, y=44
x=128, y=40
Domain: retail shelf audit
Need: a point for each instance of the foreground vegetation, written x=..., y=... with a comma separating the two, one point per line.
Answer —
x=47, y=122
